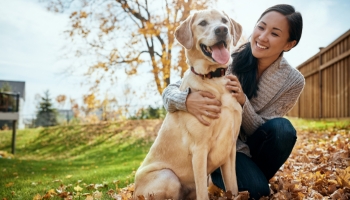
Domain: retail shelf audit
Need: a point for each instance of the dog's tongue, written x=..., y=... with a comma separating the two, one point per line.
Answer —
x=220, y=53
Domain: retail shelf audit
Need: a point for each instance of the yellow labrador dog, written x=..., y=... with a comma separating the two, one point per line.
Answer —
x=186, y=151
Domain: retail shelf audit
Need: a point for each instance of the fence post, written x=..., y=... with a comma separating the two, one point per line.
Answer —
x=14, y=136
x=320, y=83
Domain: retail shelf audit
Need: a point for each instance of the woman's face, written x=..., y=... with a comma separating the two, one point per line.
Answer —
x=270, y=37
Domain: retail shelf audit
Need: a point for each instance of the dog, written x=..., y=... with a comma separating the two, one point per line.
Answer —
x=185, y=151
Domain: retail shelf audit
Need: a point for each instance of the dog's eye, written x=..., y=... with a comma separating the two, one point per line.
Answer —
x=203, y=23
x=224, y=20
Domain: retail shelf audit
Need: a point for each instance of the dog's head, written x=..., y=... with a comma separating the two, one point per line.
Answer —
x=208, y=37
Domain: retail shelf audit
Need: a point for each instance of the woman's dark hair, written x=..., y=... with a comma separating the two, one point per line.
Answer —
x=245, y=65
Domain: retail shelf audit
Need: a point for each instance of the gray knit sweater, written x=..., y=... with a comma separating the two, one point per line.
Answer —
x=279, y=88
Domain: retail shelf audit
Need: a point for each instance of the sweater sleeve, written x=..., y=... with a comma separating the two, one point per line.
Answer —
x=251, y=120
x=173, y=98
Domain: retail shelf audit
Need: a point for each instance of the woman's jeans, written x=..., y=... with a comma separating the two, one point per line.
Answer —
x=270, y=146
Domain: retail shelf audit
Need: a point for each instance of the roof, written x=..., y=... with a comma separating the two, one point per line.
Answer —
x=16, y=87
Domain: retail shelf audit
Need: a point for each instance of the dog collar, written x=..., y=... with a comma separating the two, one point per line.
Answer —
x=219, y=72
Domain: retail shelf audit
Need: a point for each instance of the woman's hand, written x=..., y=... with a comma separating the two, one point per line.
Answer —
x=201, y=103
x=234, y=86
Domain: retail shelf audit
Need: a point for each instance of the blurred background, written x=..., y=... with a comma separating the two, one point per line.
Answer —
x=81, y=61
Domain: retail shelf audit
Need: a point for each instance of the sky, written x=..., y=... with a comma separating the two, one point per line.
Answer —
x=32, y=42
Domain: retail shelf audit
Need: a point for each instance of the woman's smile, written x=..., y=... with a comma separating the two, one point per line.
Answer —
x=261, y=46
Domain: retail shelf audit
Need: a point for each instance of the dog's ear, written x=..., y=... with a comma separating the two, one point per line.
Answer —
x=236, y=30
x=183, y=33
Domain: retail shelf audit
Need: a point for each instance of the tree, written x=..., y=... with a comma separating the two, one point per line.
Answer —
x=150, y=113
x=46, y=114
x=91, y=103
x=127, y=34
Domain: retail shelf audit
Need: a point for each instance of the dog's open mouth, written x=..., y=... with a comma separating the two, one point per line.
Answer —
x=218, y=52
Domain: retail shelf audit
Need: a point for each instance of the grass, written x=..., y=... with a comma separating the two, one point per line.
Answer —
x=84, y=155
x=320, y=125
x=99, y=157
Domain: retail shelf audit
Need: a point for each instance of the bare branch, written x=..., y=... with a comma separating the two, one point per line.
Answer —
x=128, y=9
x=131, y=60
x=100, y=27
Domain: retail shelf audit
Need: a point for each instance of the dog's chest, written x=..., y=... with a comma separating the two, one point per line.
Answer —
x=220, y=144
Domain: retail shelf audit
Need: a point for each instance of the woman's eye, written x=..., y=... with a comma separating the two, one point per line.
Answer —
x=260, y=28
x=274, y=34
x=203, y=23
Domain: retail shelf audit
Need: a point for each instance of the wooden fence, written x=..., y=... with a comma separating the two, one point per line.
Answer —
x=327, y=83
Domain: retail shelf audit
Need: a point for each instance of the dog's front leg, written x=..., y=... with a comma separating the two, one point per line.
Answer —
x=228, y=171
x=199, y=163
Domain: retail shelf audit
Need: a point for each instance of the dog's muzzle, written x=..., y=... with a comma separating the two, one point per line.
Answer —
x=218, y=52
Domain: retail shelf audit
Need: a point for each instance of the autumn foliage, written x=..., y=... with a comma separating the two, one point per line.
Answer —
x=318, y=167
x=109, y=36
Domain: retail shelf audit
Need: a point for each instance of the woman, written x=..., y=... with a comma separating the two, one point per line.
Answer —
x=267, y=87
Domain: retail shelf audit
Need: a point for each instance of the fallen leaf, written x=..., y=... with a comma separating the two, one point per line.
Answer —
x=78, y=188
x=89, y=197
x=9, y=184
x=37, y=197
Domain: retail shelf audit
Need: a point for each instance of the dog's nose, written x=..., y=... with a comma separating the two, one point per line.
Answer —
x=221, y=31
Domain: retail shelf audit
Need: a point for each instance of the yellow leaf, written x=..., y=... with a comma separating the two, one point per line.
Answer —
x=344, y=176
x=97, y=195
x=83, y=14
x=52, y=192
x=131, y=188
x=37, y=197
x=78, y=188
x=69, y=176
x=301, y=195
x=89, y=197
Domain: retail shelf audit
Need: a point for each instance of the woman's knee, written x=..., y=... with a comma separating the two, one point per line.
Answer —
x=280, y=129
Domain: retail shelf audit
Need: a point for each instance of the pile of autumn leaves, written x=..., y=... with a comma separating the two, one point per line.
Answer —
x=318, y=168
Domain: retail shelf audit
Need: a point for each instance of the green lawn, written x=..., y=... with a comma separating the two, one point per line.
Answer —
x=95, y=157
x=320, y=125
x=98, y=158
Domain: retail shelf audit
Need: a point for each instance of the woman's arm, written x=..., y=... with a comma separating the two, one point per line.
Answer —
x=251, y=120
x=173, y=98
x=278, y=108
x=197, y=103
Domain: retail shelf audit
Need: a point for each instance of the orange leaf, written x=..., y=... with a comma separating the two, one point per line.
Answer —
x=9, y=184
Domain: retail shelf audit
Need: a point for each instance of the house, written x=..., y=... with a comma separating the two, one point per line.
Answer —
x=64, y=115
x=6, y=110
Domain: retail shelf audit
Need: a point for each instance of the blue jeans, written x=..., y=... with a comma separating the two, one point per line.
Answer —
x=270, y=146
